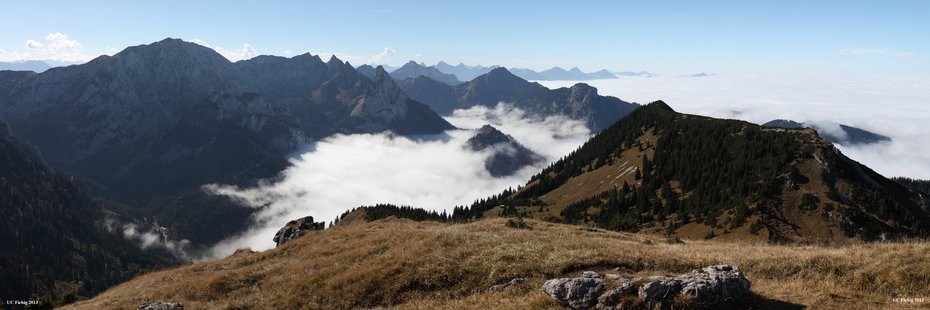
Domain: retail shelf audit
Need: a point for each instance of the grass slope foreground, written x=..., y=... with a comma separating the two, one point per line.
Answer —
x=403, y=264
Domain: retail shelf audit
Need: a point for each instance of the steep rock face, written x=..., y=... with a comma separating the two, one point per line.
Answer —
x=499, y=85
x=412, y=70
x=382, y=105
x=508, y=155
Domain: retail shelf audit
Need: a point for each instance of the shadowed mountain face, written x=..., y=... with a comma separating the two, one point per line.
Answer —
x=508, y=154
x=697, y=177
x=580, y=101
x=414, y=70
x=844, y=135
x=54, y=235
x=148, y=126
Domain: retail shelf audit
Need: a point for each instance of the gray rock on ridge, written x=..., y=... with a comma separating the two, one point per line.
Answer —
x=161, y=305
x=296, y=229
x=577, y=293
x=700, y=288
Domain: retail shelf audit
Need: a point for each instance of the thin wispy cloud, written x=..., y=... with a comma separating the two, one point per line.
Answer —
x=874, y=52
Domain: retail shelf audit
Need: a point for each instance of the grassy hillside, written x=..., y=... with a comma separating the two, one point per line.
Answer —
x=404, y=264
x=691, y=176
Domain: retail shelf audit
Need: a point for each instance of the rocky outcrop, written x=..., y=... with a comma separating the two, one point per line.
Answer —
x=700, y=288
x=577, y=293
x=297, y=228
x=161, y=305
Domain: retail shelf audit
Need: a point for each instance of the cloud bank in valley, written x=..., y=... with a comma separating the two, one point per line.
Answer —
x=435, y=173
x=896, y=106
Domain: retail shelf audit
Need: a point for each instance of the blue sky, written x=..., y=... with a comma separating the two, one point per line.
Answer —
x=658, y=36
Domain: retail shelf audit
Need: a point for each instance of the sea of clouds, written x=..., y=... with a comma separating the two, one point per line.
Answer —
x=431, y=172
x=437, y=172
x=894, y=106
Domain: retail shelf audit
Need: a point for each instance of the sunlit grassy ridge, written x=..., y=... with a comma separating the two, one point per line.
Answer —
x=406, y=264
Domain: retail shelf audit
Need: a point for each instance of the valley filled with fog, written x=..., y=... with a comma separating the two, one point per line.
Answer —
x=896, y=107
x=343, y=172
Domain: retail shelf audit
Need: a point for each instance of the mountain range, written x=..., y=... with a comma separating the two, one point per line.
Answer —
x=464, y=72
x=665, y=175
x=413, y=70
x=581, y=101
x=146, y=127
x=28, y=65
x=93, y=149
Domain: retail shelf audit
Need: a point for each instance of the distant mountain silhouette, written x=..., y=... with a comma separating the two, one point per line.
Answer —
x=468, y=73
x=631, y=73
x=580, y=101
x=412, y=70
x=28, y=65
x=462, y=71
x=849, y=135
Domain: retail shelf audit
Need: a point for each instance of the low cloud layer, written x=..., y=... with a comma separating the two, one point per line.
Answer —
x=434, y=173
x=150, y=236
x=894, y=106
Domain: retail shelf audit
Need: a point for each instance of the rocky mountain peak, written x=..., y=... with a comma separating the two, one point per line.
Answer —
x=384, y=103
x=333, y=61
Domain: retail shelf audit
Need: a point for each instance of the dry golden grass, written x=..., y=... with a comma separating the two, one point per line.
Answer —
x=426, y=265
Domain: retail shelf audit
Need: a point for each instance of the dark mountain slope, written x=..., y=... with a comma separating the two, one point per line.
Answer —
x=55, y=241
x=366, y=70
x=508, y=154
x=578, y=102
x=664, y=172
x=147, y=127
